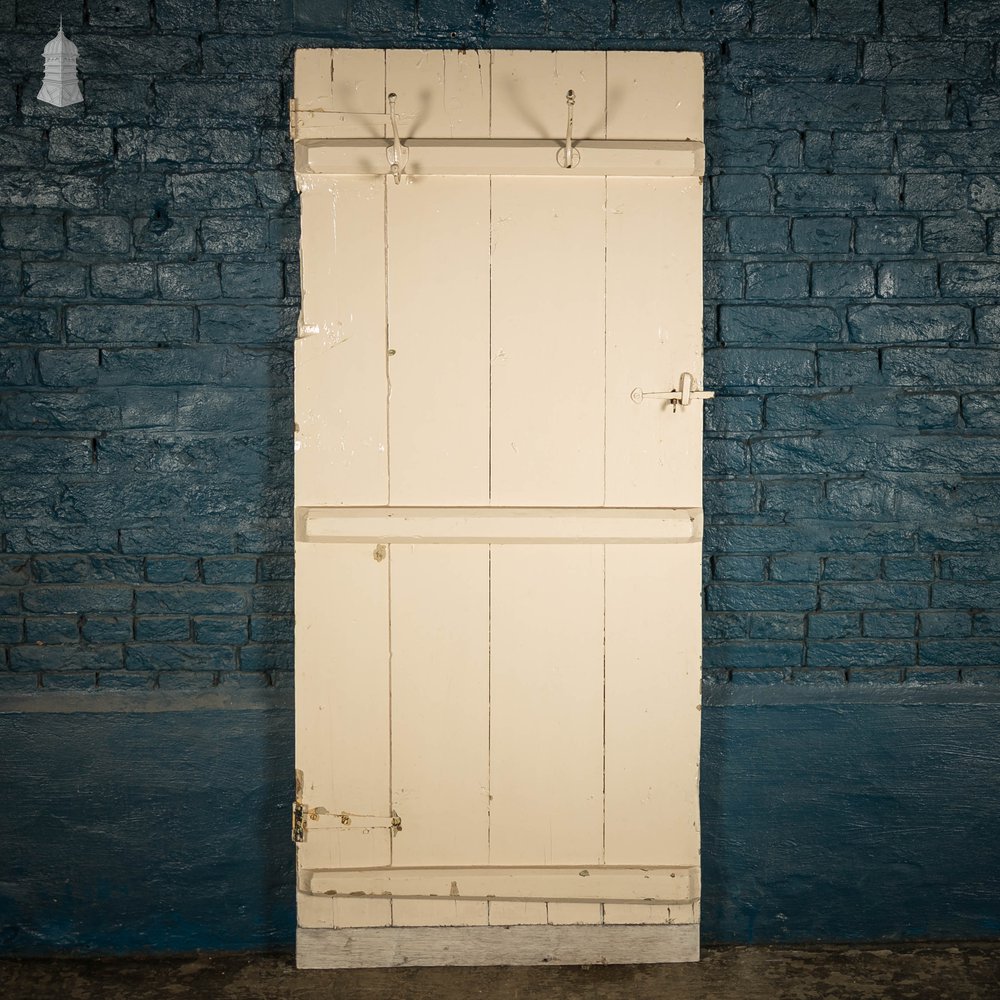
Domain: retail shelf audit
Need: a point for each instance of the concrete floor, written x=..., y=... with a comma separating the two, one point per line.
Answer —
x=913, y=972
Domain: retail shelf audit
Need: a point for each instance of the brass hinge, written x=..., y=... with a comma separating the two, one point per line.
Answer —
x=303, y=816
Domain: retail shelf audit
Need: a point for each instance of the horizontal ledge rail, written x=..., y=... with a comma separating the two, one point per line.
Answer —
x=577, y=884
x=498, y=157
x=499, y=525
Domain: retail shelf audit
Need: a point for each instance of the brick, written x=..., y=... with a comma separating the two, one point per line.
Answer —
x=972, y=17
x=65, y=367
x=187, y=146
x=213, y=190
x=846, y=17
x=751, y=147
x=129, y=324
x=42, y=232
x=163, y=235
x=965, y=278
x=733, y=366
x=178, y=657
x=836, y=279
x=247, y=324
x=740, y=568
x=222, y=101
x=753, y=655
x=807, y=103
x=860, y=653
x=758, y=234
x=68, y=144
x=959, y=652
x=274, y=567
x=908, y=568
x=987, y=322
x=729, y=497
x=10, y=278
x=68, y=657
x=98, y=234
x=16, y=366
x=859, y=566
x=171, y=570
x=187, y=15
x=859, y=499
x=945, y=624
x=89, y=599
x=28, y=326
x=226, y=55
x=252, y=280
x=51, y=279
x=984, y=623
x=824, y=410
x=797, y=454
x=886, y=234
x=722, y=280
x=52, y=629
x=11, y=630
x=893, y=324
x=233, y=235
x=199, y=366
x=826, y=192
x=778, y=626
x=927, y=411
x=781, y=17
x=195, y=281
x=778, y=280
x=141, y=54
x=741, y=193
x=821, y=235
x=889, y=596
x=926, y=60
x=221, y=631
x=956, y=149
x=272, y=628
x=862, y=150
x=718, y=626
x=239, y=570
x=760, y=597
x=953, y=234
x=266, y=656
x=916, y=102
x=784, y=59
x=192, y=599
x=733, y=414
x=106, y=629
x=941, y=367
x=934, y=192
x=133, y=280
x=980, y=566
x=794, y=568
x=908, y=279
x=981, y=411
x=833, y=625
x=162, y=629
x=922, y=18
x=772, y=324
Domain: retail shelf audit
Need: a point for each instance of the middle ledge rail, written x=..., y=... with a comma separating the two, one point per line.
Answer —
x=499, y=525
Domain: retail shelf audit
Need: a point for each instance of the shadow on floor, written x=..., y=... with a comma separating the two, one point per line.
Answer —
x=913, y=972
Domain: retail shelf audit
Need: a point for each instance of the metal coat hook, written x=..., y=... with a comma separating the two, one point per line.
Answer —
x=568, y=156
x=394, y=153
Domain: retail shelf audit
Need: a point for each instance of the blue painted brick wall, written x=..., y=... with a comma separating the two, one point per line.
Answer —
x=148, y=293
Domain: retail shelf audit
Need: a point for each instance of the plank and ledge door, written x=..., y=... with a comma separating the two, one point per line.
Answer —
x=498, y=528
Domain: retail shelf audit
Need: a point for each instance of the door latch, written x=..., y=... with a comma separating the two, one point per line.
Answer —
x=681, y=396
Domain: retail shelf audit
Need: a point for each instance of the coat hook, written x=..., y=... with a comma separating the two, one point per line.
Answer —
x=394, y=153
x=566, y=154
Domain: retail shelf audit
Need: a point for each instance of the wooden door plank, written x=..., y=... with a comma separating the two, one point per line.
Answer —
x=440, y=721
x=529, y=94
x=342, y=710
x=313, y=76
x=525, y=525
x=655, y=95
x=341, y=387
x=546, y=705
x=358, y=87
x=654, y=319
x=653, y=676
x=442, y=93
x=439, y=340
x=423, y=946
x=547, y=433
x=662, y=884
x=511, y=913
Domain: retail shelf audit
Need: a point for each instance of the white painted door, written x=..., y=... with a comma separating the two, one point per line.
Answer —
x=497, y=526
